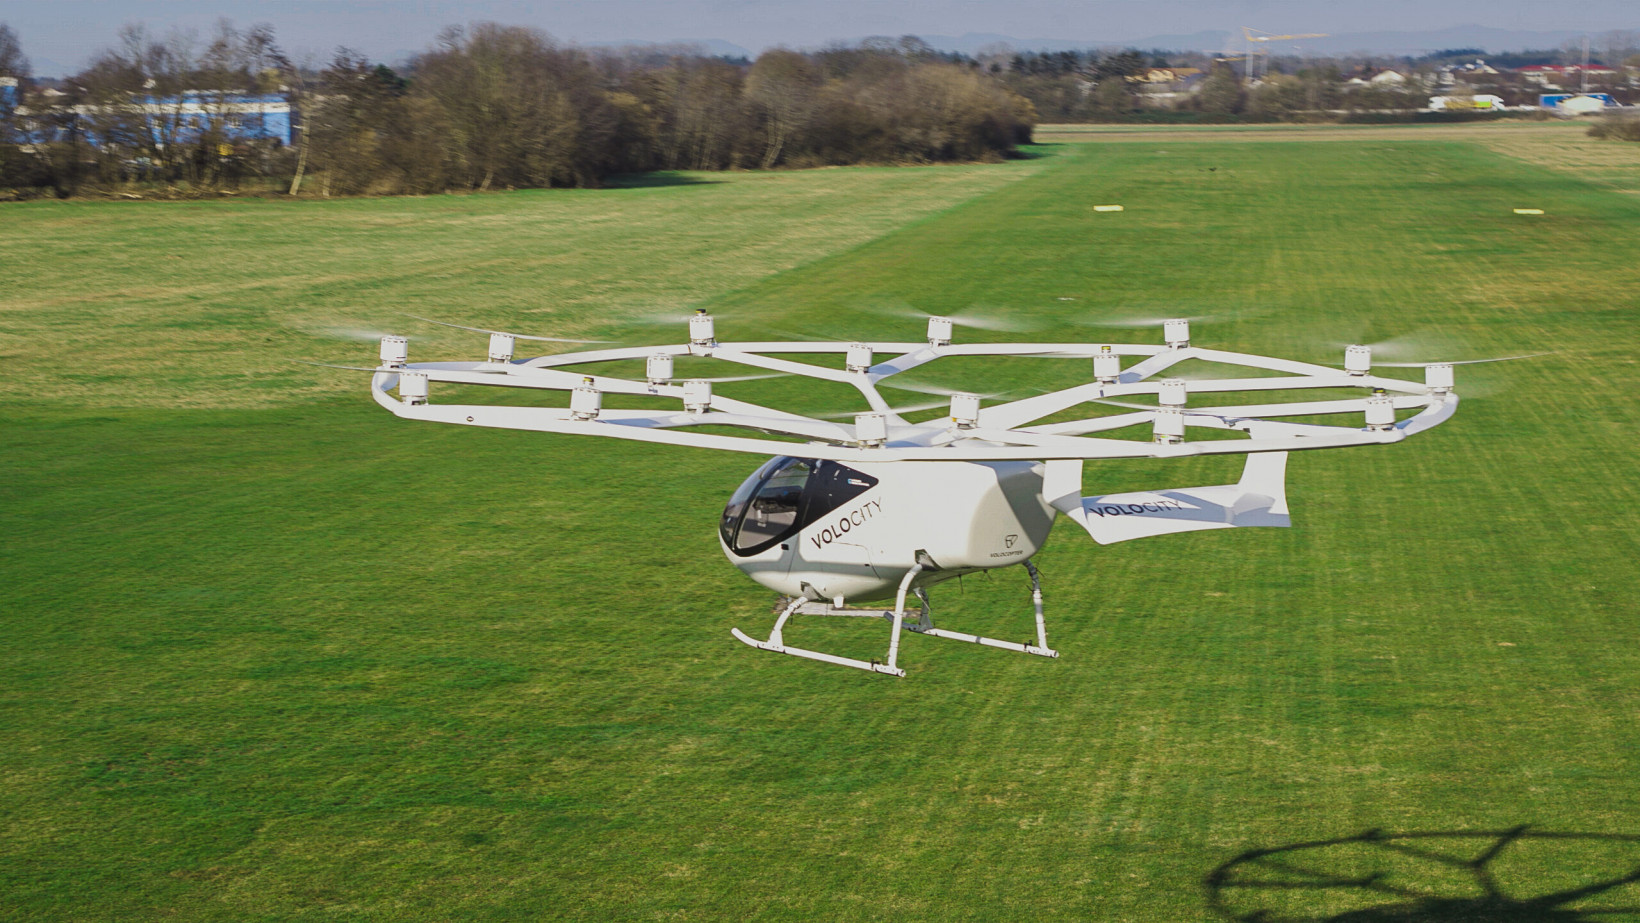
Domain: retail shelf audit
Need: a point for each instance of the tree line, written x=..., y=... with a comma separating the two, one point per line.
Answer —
x=488, y=106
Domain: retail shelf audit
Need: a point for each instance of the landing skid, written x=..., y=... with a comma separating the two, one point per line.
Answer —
x=924, y=625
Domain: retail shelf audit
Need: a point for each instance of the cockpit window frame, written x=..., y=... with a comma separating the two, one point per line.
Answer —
x=818, y=498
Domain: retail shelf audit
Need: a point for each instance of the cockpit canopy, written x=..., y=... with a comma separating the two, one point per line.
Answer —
x=783, y=497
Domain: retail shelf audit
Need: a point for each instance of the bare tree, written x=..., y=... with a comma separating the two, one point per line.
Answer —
x=1221, y=92
x=1113, y=97
x=709, y=117
x=349, y=122
x=521, y=110
x=130, y=102
x=786, y=86
x=14, y=74
x=13, y=63
x=16, y=162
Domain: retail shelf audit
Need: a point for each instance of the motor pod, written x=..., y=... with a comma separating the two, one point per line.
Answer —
x=413, y=387
x=1169, y=426
x=1380, y=413
x=965, y=410
x=701, y=329
x=1171, y=392
x=939, y=331
x=871, y=428
x=859, y=357
x=1176, y=333
x=501, y=347
x=1107, y=366
x=395, y=351
x=658, y=369
x=1439, y=378
x=1358, y=360
x=586, y=401
x=697, y=396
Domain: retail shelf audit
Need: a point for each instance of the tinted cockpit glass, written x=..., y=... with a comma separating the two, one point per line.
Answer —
x=742, y=496
x=785, y=495
x=773, y=510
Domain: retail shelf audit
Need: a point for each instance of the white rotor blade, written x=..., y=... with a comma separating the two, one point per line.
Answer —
x=1130, y=322
x=920, y=388
x=681, y=318
x=516, y=336
x=989, y=320
x=909, y=408
x=1425, y=365
x=1205, y=412
x=1404, y=347
x=734, y=378
x=357, y=334
x=329, y=365
x=978, y=318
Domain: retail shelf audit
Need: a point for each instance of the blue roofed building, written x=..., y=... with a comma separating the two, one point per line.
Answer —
x=191, y=114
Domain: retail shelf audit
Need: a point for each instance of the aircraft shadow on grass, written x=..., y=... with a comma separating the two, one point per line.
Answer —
x=656, y=180
x=1433, y=877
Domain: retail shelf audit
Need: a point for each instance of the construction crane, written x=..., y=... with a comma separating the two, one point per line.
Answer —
x=1253, y=36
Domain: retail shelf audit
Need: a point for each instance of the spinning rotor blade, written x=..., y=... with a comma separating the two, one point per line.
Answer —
x=920, y=388
x=356, y=334
x=899, y=411
x=990, y=320
x=359, y=368
x=1132, y=322
x=1405, y=347
x=679, y=318
x=798, y=336
x=1405, y=352
x=516, y=336
x=978, y=318
x=1199, y=411
x=1425, y=365
x=730, y=378
x=328, y=365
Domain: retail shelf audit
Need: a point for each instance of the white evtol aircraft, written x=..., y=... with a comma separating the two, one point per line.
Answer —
x=882, y=507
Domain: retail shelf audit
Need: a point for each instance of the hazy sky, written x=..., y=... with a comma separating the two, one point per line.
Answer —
x=66, y=32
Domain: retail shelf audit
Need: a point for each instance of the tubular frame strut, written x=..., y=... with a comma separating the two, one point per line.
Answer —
x=924, y=625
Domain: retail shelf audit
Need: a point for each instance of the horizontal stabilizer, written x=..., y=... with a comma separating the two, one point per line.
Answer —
x=1259, y=499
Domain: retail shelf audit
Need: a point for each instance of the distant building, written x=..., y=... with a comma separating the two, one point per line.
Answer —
x=1550, y=75
x=1383, y=78
x=1449, y=74
x=1576, y=103
x=1463, y=103
x=1169, y=74
x=240, y=116
x=186, y=118
x=1542, y=74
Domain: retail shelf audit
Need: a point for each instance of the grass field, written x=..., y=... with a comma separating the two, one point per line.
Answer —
x=272, y=654
x=1562, y=145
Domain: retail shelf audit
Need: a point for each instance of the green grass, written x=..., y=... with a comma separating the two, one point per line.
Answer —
x=168, y=304
x=271, y=654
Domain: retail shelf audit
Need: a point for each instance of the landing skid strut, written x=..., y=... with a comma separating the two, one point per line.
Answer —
x=924, y=625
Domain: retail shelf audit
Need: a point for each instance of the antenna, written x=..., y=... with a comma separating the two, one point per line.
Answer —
x=1585, y=71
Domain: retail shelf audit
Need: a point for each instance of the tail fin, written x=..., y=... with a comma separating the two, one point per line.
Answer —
x=1258, y=499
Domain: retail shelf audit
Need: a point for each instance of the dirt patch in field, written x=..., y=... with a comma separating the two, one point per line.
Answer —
x=1615, y=164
